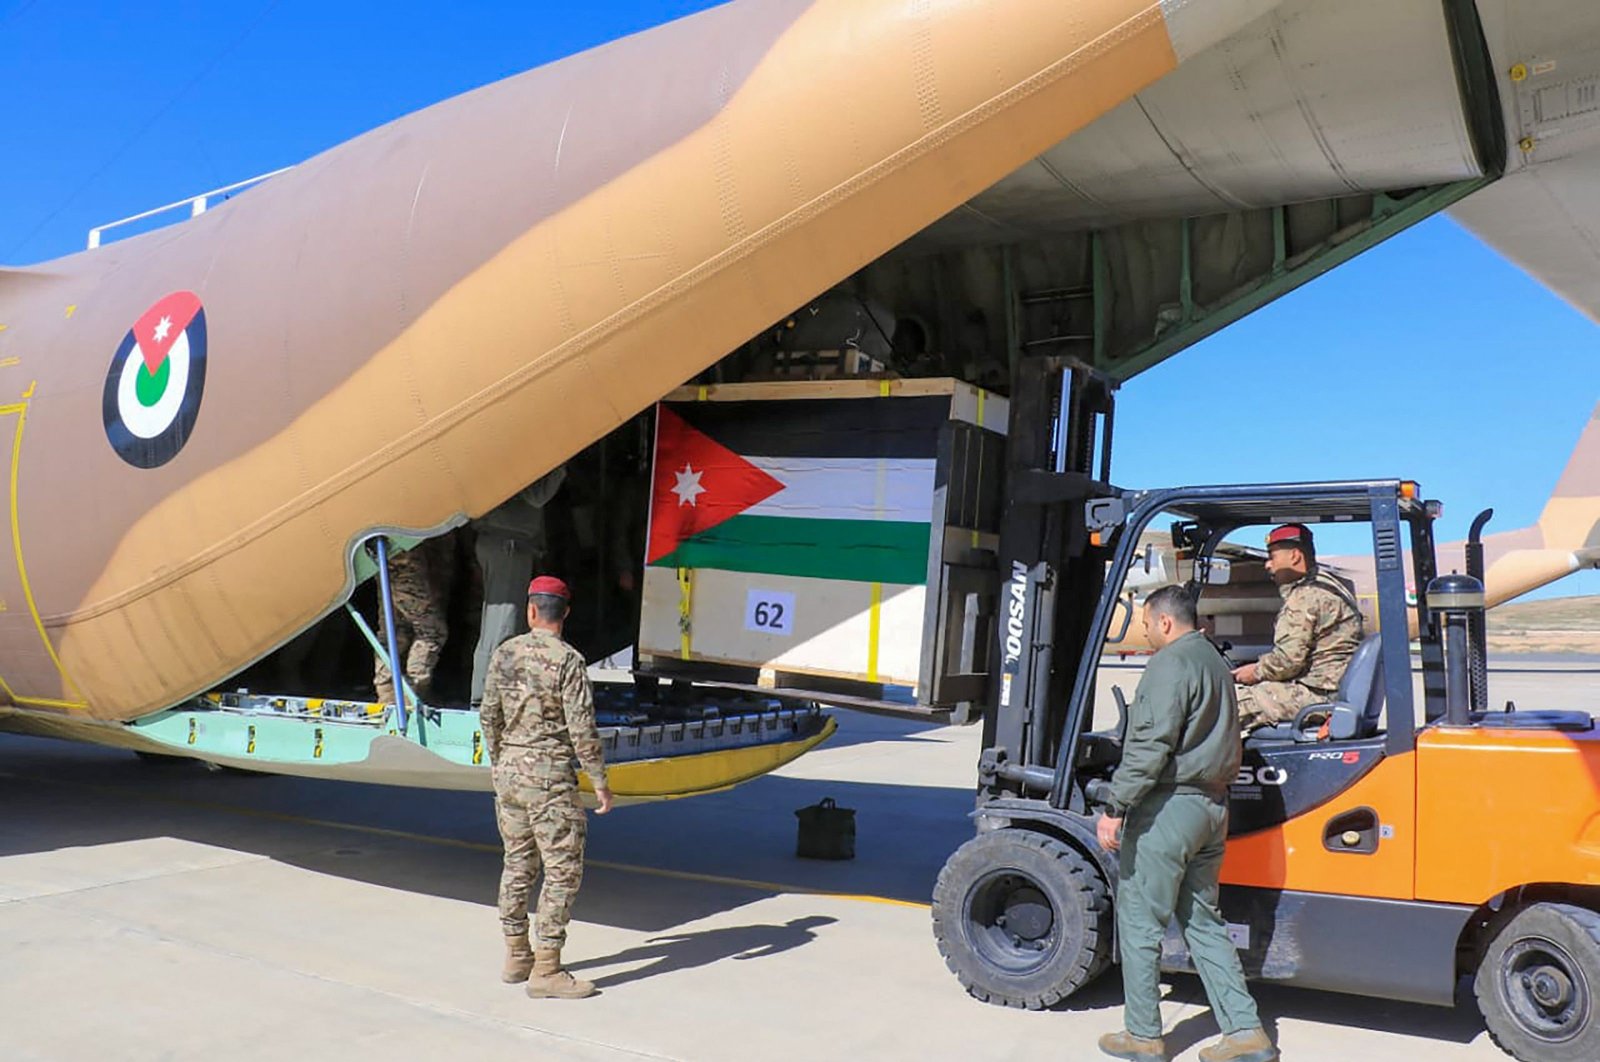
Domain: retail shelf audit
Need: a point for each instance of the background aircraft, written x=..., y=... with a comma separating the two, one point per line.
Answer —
x=1240, y=599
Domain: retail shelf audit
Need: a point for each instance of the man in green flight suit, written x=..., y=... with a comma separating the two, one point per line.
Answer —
x=1168, y=821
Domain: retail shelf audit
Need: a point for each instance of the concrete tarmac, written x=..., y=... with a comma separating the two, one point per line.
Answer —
x=169, y=912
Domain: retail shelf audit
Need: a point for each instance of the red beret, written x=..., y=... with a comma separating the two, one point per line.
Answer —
x=1289, y=533
x=549, y=584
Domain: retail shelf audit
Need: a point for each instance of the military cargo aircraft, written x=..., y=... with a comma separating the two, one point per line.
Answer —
x=208, y=421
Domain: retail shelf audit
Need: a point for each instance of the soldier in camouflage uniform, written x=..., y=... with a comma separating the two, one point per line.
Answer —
x=538, y=717
x=420, y=579
x=1317, y=632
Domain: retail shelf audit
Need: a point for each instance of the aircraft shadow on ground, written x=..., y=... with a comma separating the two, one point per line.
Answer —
x=59, y=795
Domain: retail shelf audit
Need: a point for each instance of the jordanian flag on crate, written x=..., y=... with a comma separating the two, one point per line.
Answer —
x=823, y=488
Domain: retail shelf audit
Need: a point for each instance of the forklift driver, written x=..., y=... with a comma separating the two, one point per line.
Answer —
x=1317, y=632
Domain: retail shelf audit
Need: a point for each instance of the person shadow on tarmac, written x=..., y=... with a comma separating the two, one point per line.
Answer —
x=686, y=951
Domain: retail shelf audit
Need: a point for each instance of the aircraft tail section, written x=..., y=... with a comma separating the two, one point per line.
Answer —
x=1566, y=537
x=1571, y=518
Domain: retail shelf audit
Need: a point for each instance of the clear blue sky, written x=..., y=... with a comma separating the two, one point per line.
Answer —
x=1430, y=357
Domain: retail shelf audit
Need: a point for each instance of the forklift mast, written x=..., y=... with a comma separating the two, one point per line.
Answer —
x=1052, y=566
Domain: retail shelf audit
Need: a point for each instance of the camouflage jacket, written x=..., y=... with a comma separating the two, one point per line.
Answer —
x=538, y=706
x=1317, y=632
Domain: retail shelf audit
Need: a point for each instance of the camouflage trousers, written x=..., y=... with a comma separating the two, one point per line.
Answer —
x=542, y=826
x=1267, y=703
x=420, y=629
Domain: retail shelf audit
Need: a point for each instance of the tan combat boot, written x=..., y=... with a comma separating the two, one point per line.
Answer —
x=1251, y=1045
x=1134, y=1048
x=550, y=981
x=519, y=959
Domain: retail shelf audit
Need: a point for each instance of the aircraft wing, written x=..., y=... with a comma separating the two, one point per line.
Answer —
x=1546, y=219
x=1545, y=213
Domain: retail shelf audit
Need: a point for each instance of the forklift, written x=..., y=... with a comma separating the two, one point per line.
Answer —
x=1389, y=853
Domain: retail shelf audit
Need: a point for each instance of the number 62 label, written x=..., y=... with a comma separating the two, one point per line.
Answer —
x=769, y=612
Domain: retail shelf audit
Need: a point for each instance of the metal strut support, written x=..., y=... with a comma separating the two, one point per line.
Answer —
x=376, y=644
x=386, y=603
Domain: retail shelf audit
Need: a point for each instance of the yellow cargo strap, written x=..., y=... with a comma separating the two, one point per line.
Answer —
x=685, y=605
x=874, y=628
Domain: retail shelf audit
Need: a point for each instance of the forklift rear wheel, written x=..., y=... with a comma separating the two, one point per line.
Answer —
x=1539, y=982
x=1022, y=919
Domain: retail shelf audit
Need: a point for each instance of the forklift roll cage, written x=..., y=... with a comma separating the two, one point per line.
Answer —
x=1220, y=511
x=1067, y=534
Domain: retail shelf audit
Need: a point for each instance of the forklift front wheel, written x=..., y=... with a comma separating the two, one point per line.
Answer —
x=1539, y=983
x=1022, y=919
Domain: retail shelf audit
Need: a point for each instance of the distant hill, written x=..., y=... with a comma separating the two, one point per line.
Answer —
x=1557, y=625
x=1555, y=614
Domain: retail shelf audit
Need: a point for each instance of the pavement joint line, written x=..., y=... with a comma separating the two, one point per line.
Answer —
x=476, y=846
x=441, y=1009
x=246, y=859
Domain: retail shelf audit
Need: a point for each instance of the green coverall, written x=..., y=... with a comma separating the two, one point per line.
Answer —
x=1180, y=753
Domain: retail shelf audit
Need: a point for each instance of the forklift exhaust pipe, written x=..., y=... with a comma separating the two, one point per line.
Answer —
x=1477, y=624
x=1457, y=599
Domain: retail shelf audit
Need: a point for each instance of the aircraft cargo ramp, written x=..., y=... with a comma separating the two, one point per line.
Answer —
x=734, y=739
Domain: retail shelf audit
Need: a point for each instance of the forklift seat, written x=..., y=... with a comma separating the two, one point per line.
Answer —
x=1357, y=708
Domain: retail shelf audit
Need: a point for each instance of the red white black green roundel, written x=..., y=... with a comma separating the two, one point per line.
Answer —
x=153, y=387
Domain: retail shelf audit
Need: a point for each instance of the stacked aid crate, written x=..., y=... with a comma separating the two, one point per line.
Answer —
x=795, y=528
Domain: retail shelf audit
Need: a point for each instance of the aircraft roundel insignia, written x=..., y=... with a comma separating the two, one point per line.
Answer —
x=154, y=384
